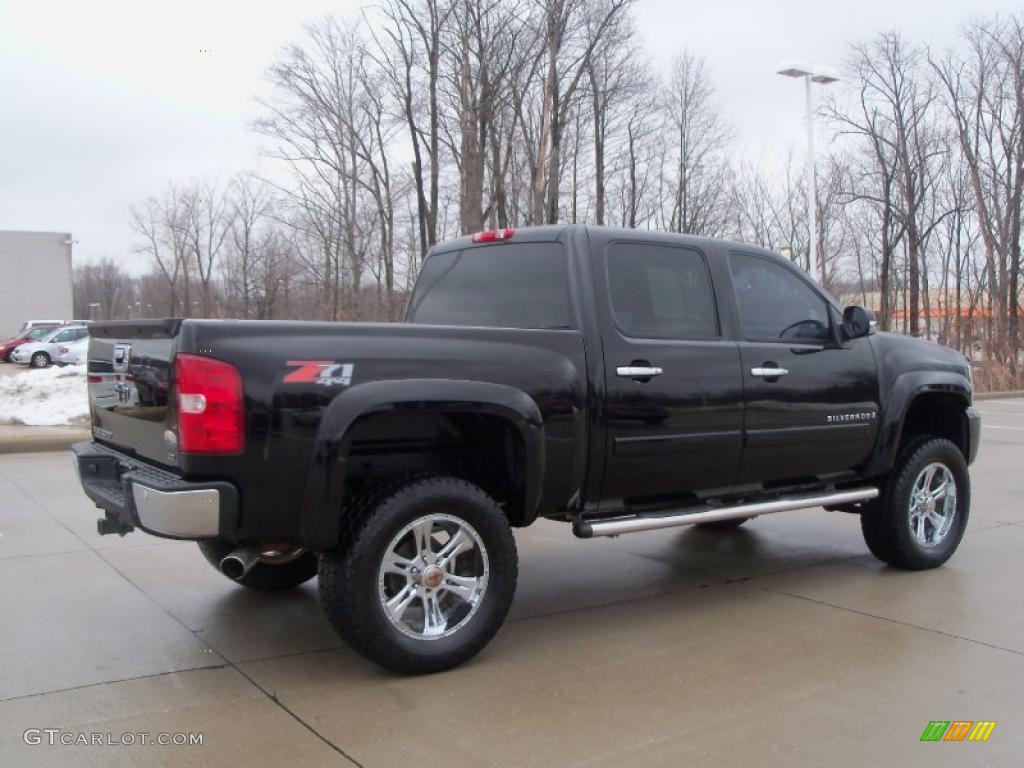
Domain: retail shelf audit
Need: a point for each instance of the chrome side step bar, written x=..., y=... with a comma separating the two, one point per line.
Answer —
x=586, y=529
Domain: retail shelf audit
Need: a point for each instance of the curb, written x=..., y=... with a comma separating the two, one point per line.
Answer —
x=47, y=441
x=998, y=395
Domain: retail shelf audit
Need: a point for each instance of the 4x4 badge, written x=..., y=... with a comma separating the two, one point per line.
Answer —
x=326, y=372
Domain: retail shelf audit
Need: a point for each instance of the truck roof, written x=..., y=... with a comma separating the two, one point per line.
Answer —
x=551, y=232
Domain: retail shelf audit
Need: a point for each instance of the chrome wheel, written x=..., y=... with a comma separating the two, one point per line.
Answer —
x=433, y=577
x=932, y=504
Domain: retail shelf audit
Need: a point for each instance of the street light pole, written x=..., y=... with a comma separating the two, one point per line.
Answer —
x=823, y=76
x=812, y=189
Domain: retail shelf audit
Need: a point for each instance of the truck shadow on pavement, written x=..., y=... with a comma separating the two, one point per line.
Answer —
x=248, y=626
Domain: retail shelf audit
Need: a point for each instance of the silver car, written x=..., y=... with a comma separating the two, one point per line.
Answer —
x=39, y=354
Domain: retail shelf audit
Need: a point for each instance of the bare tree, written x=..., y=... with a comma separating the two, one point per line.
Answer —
x=984, y=91
x=695, y=171
x=206, y=229
x=317, y=121
x=409, y=53
x=616, y=78
x=572, y=31
x=161, y=224
x=107, y=284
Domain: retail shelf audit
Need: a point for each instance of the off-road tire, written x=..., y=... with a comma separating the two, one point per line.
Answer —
x=349, y=575
x=264, y=577
x=886, y=521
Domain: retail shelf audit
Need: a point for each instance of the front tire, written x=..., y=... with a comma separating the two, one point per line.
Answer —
x=424, y=575
x=271, y=573
x=40, y=360
x=921, y=516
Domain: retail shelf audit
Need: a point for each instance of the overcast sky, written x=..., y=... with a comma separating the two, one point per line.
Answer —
x=102, y=103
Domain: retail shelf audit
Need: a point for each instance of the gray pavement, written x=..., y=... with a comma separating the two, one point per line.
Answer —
x=783, y=643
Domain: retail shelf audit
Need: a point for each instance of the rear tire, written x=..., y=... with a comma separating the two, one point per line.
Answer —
x=424, y=575
x=40, y=360
x=921, y=516
x=264, y=576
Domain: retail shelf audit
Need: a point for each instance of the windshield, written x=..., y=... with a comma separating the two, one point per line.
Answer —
x=51, y=334
x=38, y=333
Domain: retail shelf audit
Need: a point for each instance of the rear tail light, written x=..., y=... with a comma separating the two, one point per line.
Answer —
x=492, y=235
x=210, y=406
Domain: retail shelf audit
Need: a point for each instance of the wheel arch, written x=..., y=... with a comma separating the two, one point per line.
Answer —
x=380, y=405
x=923, y=403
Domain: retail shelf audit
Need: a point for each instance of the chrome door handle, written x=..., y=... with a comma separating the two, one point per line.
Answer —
x=768, y=373
x=638, y=371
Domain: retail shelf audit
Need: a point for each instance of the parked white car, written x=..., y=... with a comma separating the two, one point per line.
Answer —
x=28, y=325
x=39, y=354
x=72, y=353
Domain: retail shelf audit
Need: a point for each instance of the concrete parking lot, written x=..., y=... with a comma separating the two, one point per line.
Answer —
x=783, y=643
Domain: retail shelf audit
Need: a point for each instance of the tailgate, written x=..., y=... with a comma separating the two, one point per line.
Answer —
x=129, y=369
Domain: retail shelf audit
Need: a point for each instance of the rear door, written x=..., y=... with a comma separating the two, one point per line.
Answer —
x=811, y=402
x=673, y=409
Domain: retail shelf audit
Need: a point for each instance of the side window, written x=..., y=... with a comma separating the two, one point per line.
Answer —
x=660, y=292
x=62, y=336
x=775, y=304
x=81, y=333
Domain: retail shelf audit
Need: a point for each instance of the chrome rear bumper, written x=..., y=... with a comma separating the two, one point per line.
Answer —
x=179, y=514
x=134, y=494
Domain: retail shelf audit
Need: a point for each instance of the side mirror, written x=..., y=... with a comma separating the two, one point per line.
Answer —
x=857, y=322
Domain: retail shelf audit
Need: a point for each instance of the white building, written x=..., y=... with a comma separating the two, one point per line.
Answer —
x=35, y=278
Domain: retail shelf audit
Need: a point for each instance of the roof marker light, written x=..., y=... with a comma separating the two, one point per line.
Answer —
x=492, y=235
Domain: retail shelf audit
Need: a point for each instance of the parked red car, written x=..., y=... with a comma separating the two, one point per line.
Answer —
x=32, y=334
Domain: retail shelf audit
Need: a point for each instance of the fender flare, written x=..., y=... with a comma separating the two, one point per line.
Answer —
x=906, y=388
x=321, y=513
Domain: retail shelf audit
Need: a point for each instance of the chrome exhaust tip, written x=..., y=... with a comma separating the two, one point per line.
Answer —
x=236, y=564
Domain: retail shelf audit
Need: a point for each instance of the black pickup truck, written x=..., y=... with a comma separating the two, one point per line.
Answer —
x=615, y=380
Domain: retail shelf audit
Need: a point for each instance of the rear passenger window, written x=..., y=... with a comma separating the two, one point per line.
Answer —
x=775, y=304
x=660, y=292
x=511, y=285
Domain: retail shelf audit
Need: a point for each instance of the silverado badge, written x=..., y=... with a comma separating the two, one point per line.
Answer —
x=844, y=418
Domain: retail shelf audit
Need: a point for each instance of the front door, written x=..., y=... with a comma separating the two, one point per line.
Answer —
x=811, y=402
x=673, y=408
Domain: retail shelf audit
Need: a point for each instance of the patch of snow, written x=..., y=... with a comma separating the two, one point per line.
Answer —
x=52, y=396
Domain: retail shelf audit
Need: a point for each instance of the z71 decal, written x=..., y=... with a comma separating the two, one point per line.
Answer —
x=326, y=372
